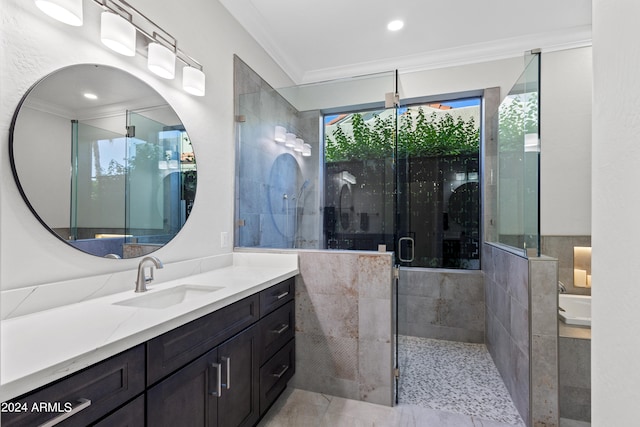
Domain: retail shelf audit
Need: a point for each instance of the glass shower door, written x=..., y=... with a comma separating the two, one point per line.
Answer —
x=437, y=182
x=155, y=204
x=97, y=182
x=437, y=221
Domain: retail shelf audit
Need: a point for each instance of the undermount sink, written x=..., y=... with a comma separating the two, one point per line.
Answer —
x=168, y=297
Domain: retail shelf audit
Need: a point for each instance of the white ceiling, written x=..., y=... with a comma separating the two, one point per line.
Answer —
x=316, y=40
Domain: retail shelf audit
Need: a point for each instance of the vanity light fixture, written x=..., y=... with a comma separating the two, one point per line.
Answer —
x=119, y=24
x=118, y=33
x=531, y=143
x=290, y=141
x=161, y=61
x=347, y=177
x=280, y=134
x=66, y=11
x=193, y=81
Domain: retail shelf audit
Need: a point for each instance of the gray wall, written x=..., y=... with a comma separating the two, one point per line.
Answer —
x=575, y=378
x=442, y=304
x=522, y=330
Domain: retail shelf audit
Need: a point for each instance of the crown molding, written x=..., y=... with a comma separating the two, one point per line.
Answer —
x=463, y=55
x=252, y=22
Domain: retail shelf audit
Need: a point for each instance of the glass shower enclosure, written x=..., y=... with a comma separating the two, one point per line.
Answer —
x=131, y=192
x=519, y=162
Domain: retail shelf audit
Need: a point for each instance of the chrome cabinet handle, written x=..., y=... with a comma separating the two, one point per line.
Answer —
x=227, y=361
x=218, y=391
x=282, y=295
x=283, y=328
x=285, y=368
x=81, y=404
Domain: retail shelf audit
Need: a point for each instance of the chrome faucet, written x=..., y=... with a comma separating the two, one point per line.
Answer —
x=141, y=283
x=562, y=289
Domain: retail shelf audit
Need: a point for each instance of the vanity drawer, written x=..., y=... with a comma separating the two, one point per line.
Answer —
x=275, y=374
x=94, y=391
x=276, y=296
x=130, y=415
x=276, y=329
x=176, y=348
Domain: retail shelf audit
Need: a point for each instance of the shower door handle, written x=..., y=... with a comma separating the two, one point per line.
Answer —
x=411, y=244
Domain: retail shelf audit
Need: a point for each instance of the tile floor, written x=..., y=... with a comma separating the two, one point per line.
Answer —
x=446, y=384
x=454, y=377
x=299, y=408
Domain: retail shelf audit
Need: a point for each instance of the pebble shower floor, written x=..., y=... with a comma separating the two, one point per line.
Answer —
x=454, y=377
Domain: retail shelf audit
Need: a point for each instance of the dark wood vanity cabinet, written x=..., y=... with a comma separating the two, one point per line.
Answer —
x=219, y=388
x=176, y=348
x=224, y=369
x=234, y=383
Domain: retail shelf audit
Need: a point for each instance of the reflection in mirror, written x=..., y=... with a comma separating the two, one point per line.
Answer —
x=103, y=161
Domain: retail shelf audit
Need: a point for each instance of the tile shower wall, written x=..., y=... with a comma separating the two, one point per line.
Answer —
x=575, y=378
x=521, y=328
x=344, y=326
x=442, y=304
x=543, y=285
x=507, y=321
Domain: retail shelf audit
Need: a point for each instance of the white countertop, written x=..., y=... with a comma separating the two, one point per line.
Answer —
x=41, y=347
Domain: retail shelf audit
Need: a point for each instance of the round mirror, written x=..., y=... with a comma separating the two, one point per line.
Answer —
x=284, y=190
x=103, y=161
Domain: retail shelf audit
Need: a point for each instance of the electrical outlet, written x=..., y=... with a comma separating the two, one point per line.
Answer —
x=224, y=239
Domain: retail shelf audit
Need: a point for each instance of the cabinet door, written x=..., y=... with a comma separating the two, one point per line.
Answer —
x=176, y=348
x=186, y=398
x=238, y=403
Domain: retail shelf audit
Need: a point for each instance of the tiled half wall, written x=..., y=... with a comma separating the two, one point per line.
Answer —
x=522, y=330
x=344, y=329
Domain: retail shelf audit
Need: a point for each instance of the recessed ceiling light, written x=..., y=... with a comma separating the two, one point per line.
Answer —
x=395, y=25
x=90, y=95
